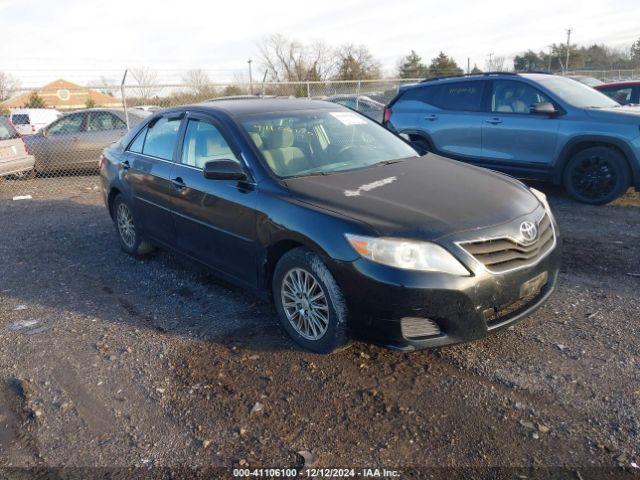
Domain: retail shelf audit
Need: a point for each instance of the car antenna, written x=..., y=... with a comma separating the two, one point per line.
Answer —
x=124, y=99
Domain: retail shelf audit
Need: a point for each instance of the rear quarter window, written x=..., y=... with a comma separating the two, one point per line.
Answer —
x=7, y=132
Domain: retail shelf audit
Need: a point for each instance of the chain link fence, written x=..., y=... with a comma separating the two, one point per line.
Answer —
x=53, y=147
x=51, y=138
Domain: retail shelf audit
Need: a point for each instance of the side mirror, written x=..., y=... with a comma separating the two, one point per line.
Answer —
x=224, y=170
x=544, y=108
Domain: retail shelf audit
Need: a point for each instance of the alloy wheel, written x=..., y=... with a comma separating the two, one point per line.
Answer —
x=594, y=177
x=305, y=304
x=126, y=227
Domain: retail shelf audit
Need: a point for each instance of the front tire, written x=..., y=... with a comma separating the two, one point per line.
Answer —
x=310, y=304
x=597, y=175
x=127, y=228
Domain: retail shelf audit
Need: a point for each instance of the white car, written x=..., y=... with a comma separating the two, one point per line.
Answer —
x=29, y=121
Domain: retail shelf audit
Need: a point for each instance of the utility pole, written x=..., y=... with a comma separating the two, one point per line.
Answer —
x=550, y=54
x=468, y=65
x=490, y=61
x=568, y=48
x=250, y=77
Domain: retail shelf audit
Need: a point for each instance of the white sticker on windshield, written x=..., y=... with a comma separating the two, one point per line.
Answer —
x=348, y=118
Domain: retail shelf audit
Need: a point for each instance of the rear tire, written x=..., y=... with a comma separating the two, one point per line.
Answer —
x=597, y=175
x=127, y=228
x=310, y=304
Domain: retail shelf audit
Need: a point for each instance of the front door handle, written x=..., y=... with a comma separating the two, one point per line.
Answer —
x=494, y=121
x=431, y=117
x=178, y=184
x=126, y=165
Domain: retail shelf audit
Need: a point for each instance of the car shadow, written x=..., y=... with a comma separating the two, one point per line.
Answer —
x=61, y=258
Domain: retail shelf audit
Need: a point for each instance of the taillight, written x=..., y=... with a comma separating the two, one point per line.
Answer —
x=33, y=129
x=26, y=149
x=387, y=115
x=101, y=162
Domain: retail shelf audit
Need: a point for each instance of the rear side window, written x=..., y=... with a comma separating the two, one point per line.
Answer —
x=420, y=94
x=101, y=121
x=20, y=119
x=463, y=96
x=161, y=138
x=7, y=132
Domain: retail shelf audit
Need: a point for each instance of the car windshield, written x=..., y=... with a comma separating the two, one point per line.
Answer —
x=317, y=142
x=576, y=93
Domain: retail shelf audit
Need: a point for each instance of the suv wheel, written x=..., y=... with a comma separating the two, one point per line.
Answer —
x=310, y=304
x=128, y=232
x=597, y=175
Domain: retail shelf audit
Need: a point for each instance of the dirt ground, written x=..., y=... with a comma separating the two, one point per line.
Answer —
x=134, y=365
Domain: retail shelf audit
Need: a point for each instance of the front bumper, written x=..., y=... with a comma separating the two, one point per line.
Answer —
x=13, y=165
x=464, y=308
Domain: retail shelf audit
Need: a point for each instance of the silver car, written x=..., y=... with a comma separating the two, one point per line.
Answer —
x=75, y=141
x=14, y=159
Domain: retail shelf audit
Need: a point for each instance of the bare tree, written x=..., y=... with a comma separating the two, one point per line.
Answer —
x=104, y=85
x=496, y=63
x=8, y=83
x=198, y=82
x=289, y=60
x=356, y=63
x=146, y=81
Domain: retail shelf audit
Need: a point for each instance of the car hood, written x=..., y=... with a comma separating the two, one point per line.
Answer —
x=621, y=113
x=426, y=197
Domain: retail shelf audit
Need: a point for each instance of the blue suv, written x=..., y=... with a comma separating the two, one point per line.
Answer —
x=534, y=126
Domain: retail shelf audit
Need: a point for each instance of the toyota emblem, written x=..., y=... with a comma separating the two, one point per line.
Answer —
x=529, y=231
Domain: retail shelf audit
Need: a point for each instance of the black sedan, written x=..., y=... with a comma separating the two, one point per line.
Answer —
x=339, y=221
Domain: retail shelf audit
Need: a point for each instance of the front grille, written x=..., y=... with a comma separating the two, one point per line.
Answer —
x=414, y=327
x=502, y=254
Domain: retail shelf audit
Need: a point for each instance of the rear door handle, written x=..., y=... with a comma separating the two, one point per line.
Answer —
x=178, y=184
x=431, y=117
x=494, y=121
x=126, y=165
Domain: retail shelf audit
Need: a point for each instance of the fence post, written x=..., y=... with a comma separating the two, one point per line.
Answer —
x=124, y=99
x=308, y=90
x=358, y=96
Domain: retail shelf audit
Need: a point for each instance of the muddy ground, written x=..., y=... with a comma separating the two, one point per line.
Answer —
x=107, y=361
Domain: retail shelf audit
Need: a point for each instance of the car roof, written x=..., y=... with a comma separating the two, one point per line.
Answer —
x=476, y=77
x=627, y=83
x=264, y=105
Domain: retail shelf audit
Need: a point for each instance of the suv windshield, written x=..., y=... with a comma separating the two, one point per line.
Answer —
x=576, y=93
x=321, y=142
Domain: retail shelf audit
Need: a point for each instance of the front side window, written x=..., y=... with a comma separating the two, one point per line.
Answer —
x=203, y=143
x=68, y=124
x=161, y=138
x=515, y=97
x=462, y=96
x=101, y=121
x=620, y=95
x=322, y=142
x=7, y=132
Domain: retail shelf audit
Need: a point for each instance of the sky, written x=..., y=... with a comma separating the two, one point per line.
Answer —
x=83, y=40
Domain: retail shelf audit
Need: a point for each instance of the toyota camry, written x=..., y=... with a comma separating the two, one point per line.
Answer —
x=340, y=222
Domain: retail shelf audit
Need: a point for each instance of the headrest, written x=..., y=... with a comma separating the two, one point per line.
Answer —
x=211, y=146
x=257, y=139
x=281, y=138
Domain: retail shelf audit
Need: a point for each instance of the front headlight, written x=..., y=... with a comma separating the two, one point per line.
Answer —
x=407, y=254
x=540, y=196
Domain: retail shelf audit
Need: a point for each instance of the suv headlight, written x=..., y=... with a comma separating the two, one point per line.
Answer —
x=540, y=196
x=407, y=254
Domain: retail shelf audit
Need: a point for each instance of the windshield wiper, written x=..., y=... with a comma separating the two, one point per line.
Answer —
x=389, y=162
